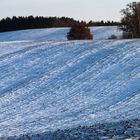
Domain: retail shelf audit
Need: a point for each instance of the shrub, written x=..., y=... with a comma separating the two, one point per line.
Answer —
x=79, y=32
x=113, y=37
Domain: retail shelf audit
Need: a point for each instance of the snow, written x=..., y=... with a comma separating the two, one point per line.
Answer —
x=49, y=85
x=105, y=32
x=58, y=34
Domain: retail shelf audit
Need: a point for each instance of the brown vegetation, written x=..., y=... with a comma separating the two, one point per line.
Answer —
x=79, y=32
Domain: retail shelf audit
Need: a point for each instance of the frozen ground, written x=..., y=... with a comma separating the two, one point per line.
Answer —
x=123, y=130
x=51, y=85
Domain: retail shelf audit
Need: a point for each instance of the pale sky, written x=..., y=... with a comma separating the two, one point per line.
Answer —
x=78, y=9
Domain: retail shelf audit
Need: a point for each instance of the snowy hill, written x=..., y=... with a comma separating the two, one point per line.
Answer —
x=57, y=34
x=58, y=86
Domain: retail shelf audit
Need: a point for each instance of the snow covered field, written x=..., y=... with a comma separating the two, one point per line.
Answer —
x=57, y=34
x=51, y=85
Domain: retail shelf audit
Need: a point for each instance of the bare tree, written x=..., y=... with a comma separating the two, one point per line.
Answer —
x=131, y=20
x=138, y=10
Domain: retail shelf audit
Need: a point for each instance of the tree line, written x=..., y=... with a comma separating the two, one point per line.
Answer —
x=30, y=22
x=104, y=23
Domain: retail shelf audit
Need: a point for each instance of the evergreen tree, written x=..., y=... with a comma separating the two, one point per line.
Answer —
x=30, y=22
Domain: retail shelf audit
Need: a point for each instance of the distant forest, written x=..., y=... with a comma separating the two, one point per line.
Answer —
x=30, y=22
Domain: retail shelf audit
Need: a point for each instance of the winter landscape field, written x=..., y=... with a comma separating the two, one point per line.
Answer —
x=51, y=88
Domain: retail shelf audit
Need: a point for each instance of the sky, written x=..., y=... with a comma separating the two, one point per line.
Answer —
x=86, y=10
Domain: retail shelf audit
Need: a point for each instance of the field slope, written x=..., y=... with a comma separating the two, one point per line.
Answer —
x=57, y=34
x=51, y=85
